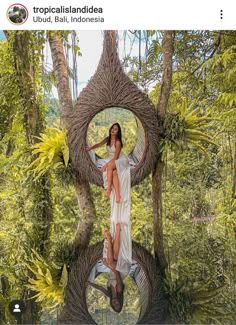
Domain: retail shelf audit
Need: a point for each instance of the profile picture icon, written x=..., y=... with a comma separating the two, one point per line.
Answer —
x=17, y=14
x=17, y=307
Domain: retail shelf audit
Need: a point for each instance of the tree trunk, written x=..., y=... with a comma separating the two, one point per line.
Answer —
x=88, y=212
x=5, y=286
x=157, y=213
x=60, y=70
x=168, y=46
x=25, y=71
x=165, y=88
x=24, y=53
x=233, y=195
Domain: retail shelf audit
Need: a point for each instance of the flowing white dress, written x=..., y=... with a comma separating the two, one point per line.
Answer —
x=120, y=212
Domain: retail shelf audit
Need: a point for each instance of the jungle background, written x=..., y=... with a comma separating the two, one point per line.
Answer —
x=39, y=207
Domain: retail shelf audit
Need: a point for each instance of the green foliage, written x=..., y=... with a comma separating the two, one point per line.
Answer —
x=49, y=281
x=145, y=67
x=223, y=79
x=65, y=253
x=193, y=188
x=53, y=111
x=52, y=151
x=9, y=92
x=141, y=214
x=195, y=303
x=185, y=127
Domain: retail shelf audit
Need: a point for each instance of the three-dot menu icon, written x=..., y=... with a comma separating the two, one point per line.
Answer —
x=221, y=14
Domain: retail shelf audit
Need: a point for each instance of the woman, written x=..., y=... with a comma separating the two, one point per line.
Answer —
x=117, y=163
x=115, y=286
x=116, y=176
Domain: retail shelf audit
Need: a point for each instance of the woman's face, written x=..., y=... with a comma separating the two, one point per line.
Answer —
x=114, y=130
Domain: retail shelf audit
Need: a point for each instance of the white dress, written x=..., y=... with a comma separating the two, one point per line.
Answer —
x=120, y=212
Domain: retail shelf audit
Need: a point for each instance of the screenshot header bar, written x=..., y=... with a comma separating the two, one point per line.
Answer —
x=104, y=14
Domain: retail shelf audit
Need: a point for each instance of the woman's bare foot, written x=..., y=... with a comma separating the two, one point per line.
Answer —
x=108, y=192
x=118, y=198
x=118, y=227
x=107, y=234
x=104, y=261
x=110, y=264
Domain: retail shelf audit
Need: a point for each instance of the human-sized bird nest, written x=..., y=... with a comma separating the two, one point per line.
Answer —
x=110, y=87
x=148, y=281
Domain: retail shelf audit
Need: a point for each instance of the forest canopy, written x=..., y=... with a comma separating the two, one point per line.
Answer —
x=41, y=204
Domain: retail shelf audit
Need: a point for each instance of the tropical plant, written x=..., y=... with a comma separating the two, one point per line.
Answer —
x=185, y=127
x=197, y=303
x=49, y=281
x=9, y=92
x=52, y=151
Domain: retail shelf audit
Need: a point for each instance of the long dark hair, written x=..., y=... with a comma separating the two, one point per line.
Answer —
x=118, y=136
x=120, y=298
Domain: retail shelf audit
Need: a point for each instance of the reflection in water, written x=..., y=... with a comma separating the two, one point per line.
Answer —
x=98, y=304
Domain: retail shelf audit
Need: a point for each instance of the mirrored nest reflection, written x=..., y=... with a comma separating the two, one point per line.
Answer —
x=133, y=135
x=99, y=305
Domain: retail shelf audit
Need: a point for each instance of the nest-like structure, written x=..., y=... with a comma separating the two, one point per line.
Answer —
x=110, y=87
x=148, y=281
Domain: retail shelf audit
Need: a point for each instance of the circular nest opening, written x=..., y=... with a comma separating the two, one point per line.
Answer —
x=133, y=136
x=147, y=278
x=141, y=149
x=99, y=305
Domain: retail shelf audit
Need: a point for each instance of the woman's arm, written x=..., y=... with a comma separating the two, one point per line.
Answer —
x=98, y=287
x=97, y=145
x=119, y=282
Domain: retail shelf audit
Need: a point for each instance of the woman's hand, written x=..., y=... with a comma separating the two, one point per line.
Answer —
x=87, y=283
x=105, y=167
x=88, y=148
x=97, y=145
x=107, y=164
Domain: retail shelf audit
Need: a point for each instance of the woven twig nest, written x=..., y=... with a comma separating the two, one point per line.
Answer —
x=110, y=87
x=75, y=310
